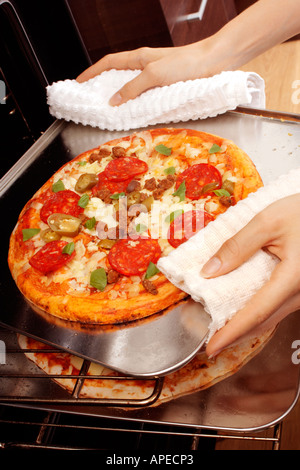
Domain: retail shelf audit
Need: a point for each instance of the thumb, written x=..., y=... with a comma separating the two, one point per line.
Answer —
x=236, y=250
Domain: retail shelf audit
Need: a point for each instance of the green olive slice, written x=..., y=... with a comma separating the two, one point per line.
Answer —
x=229, y=186
x=148, y=202
x=85, y=182
x=133, y=198
x=49, y=236
x=210, y=187
x=64, y=224
x=107, y=244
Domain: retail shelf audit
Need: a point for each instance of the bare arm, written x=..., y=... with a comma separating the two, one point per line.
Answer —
x=257, y=29
x=260, y=27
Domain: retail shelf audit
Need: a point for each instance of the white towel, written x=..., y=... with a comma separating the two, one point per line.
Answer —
x=88, y=103
x=223, y=296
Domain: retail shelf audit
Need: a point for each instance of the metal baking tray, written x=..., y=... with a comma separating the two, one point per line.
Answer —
x=244, y=401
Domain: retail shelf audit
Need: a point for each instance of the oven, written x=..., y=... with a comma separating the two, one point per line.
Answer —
x=35, y=412
x=247, y=407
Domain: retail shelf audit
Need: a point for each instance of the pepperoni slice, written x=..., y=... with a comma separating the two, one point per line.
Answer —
x=198, y=176
x=50, y=257
x=132, y=257
x=63, y=202
x=121, y=169
x=186, y=225
x=112, y=186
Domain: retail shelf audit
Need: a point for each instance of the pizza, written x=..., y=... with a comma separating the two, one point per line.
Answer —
x=86, y=245
x=105, y=384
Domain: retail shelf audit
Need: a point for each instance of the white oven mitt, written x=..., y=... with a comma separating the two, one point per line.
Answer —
x=88, y=103
x=223, y=296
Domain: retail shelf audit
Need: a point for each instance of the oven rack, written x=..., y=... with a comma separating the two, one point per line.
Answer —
x=60, y=431
x=74, y=397
x=46, y=427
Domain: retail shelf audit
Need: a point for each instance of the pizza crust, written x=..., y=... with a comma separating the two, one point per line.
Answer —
x=199, y=374
x=95, y=309
x=127, y=300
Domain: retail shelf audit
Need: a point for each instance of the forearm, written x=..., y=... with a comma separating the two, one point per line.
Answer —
x=257, y=29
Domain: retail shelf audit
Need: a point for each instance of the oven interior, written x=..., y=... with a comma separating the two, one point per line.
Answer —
x=39, y=423
x=27, y=65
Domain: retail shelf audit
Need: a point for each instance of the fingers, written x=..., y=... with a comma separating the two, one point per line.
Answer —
x=150, y=77
x=280, y=295
x=276, y=228
x=143, y=59
x=159, y=67
x=236, y=250
x=119, y=61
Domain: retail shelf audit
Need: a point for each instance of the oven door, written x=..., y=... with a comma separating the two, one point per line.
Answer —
x=38, y=45
x=43, y=42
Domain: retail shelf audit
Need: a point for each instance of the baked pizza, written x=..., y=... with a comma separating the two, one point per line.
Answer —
x=102, y=383
x=85, y=247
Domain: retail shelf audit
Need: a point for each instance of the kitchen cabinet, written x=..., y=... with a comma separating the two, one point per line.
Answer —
x=107, y=26
x=191, y=20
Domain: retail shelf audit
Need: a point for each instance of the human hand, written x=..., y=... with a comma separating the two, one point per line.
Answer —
x=159, y=67
x=244, y=37
x=277, y=230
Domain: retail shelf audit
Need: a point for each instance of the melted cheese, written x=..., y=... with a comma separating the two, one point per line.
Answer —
x=77, y=271
x=157, y=223
x=101, y=211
